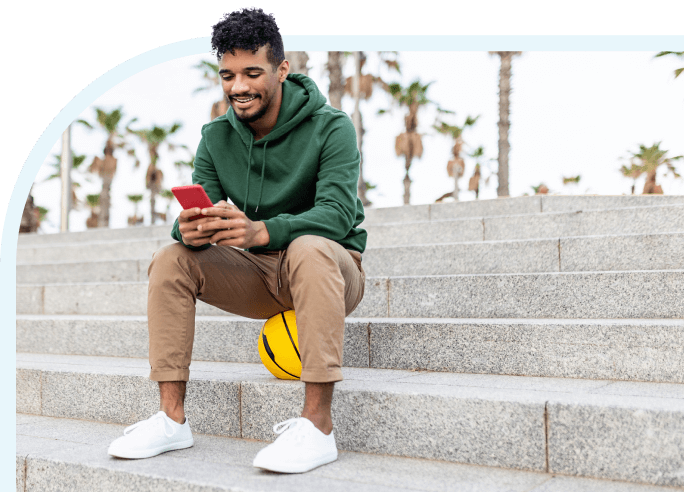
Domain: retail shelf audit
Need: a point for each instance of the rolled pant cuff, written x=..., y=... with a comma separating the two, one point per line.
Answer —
x=170, y=375
x=329, y=375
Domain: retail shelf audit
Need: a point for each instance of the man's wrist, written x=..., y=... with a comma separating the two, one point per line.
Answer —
x=263, y=236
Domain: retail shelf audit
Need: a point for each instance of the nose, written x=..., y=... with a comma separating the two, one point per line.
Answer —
x=240, y=85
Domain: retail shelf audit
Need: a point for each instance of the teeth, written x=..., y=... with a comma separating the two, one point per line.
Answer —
x=243, y=100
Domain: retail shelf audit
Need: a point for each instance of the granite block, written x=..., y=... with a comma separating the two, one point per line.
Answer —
x=573, y=484
x=634, y=220
x=626, y=252
x=375, y=299
x=410, y=213
x=655, y=294
x=98, y=234
x=629, y=441
x=463, y=258
x=595, y=349
x=105, y=397
x=109, y=336
x=486, y=208
x=96, y=298
x=433, y=232
x=28, y=388
x=30, y=299
x=91, y=251
x=410, y=421
x=87, y=271
x=21, y=472
x=568, y=203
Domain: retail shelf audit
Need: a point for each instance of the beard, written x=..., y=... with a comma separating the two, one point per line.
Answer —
x=260, y=112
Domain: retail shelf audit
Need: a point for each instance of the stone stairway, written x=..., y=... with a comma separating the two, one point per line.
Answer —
x=540, y=338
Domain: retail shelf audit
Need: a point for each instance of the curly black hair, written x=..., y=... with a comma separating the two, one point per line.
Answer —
x=248, y=29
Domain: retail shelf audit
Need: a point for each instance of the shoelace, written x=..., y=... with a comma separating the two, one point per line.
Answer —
x=290, y=424
x=154, y=421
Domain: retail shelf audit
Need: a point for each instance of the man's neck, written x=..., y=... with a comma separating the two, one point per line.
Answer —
x=265, y=124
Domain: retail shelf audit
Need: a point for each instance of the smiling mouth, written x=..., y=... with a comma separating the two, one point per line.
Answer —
x=243, y=99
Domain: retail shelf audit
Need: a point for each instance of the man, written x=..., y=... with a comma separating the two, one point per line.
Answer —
x=292, y=162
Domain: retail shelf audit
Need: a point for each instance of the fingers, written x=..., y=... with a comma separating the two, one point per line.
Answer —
x=219, y=224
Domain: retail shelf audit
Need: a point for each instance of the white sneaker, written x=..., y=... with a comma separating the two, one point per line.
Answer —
x=151, y=437
x=301, y=447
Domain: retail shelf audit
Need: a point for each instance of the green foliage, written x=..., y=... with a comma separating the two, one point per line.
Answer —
x=93, y=200
x=679, y=54
x=209, y=73
x=42, y=211
x=135, y=198
x=571, y=180
x=57, y=173
x=168, y=194
x=651, y=158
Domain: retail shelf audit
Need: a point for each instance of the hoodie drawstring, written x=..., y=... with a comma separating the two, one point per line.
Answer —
x=249, y=168
x=281, y=255
x=263, y=170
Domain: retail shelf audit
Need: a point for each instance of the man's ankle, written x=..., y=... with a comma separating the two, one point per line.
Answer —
x=322, y=423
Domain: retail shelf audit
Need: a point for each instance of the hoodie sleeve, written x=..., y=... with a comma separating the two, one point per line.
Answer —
x=334, y=210
x=204, y=174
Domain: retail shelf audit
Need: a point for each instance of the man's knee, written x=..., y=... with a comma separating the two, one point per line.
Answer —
x=171, y=258
x=309, y=246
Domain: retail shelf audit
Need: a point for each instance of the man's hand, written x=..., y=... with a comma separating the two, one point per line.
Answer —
x=226, y=225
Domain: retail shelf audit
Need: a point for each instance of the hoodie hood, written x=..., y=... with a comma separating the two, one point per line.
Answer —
x=301, y=98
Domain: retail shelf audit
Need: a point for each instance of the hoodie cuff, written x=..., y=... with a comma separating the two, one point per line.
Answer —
x=278, y=231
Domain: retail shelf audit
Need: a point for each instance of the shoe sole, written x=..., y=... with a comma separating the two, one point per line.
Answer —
x=149, y=453
x=296, y=468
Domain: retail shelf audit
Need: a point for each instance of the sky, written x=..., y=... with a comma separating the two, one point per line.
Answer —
x=572, y=113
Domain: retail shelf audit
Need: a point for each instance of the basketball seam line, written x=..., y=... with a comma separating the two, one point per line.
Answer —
x=294, y=345
x=272, y=356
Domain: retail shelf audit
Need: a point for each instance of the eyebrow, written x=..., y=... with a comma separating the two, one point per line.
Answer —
x=247, y=69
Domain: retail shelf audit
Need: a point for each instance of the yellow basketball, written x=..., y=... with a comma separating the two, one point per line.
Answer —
x=279, y=348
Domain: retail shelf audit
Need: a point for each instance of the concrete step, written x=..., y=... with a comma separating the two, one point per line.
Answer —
x=514, y=206
x=634, y=220
x=51, y=452
x=627, y=350
x=411, y=213
x=437, y=229
x=90, y=251
x=598, y=295
x=604, y=429
x=589, y=253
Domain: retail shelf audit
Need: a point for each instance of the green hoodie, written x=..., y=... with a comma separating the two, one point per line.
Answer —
x=299, y=179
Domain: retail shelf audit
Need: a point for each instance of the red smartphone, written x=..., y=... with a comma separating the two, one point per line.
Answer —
x=192, y=196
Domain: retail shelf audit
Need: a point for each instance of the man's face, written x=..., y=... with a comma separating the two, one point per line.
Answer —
x=250, y=83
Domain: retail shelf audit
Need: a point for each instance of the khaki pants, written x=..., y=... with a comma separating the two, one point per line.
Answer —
x=317, y=277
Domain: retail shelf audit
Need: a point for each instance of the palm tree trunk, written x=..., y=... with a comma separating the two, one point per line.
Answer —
x=298, y=61
x=407, y=180
x=336, y=88
x=504, y=123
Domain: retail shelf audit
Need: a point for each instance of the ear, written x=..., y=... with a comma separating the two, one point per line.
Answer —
x=283, y=70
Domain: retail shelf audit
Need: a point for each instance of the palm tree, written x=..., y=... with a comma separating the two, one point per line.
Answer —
x=57, y=174
x=572, y=181
x=456, y=165
x=298, y=61
x=105, y=167
x=94, y=204
x=30, y=217
x=210, y=74
x=541, y=189
x=154, y=137
x=633, y=172
x=360, y=86
x=649, y=159
x=679, y=54
x=504, y=112
x=409, y=143
x=169, y=197
x=135, y=220
x=334, y=68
